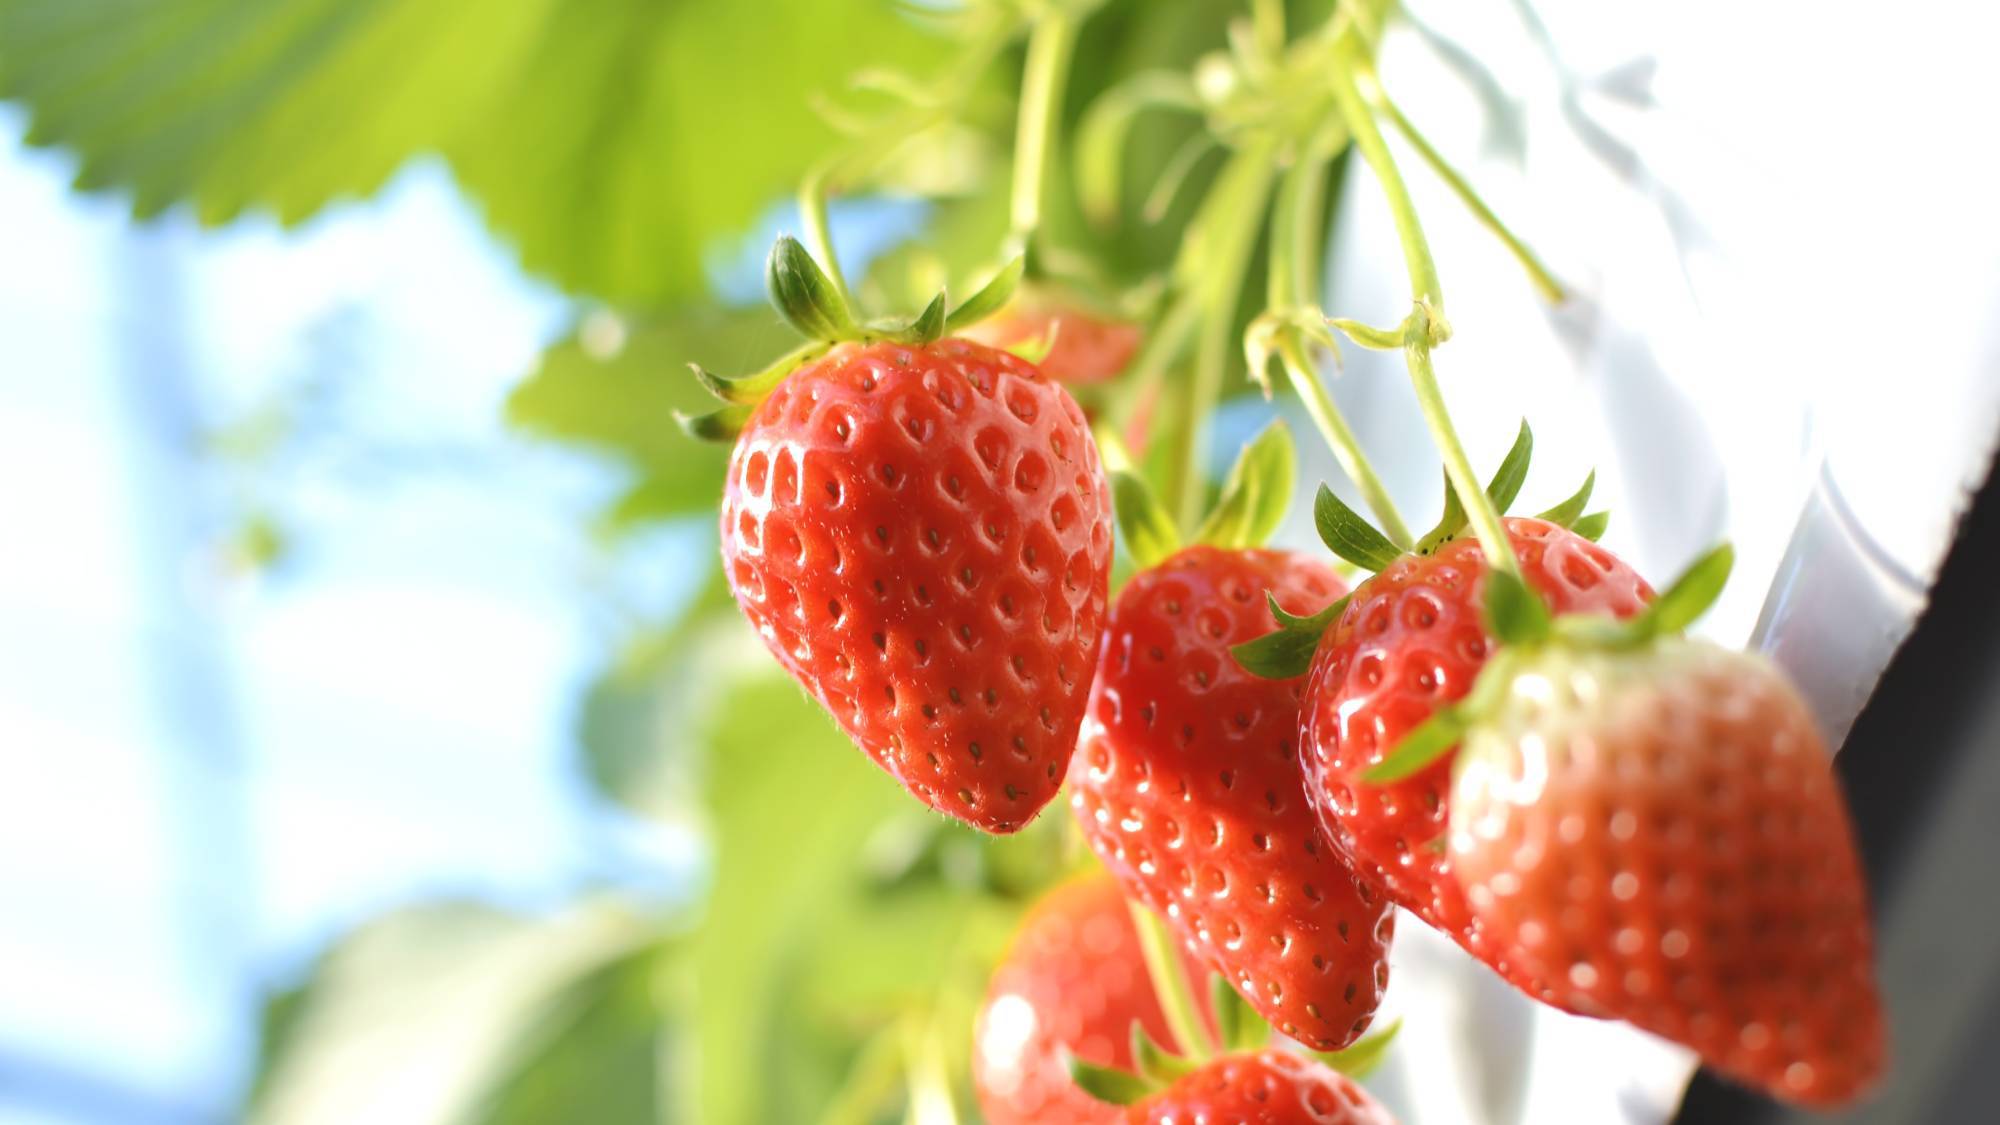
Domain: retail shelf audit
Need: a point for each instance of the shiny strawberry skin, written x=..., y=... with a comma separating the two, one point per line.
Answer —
x=1266, y=1087
x=1087, y=348
x=1074, y=979
x=1188, y=789
x=1411, y=640
x=1661, y=833
x=922, y=537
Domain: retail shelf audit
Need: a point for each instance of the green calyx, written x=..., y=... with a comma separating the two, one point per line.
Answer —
x=815, y=305
x=1350, y=536
x=1241, y=1030
x=1522, y=623
x=1366, y=1054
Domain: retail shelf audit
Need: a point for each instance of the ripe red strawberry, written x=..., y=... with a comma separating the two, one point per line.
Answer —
x=1266, y=1087
x=1411, y=640
x=1087, y=348
x=1074, y=979
x=922, y=536
x=1189, y=791
x=1659, y=831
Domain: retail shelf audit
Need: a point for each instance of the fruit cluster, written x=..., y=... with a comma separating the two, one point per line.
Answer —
x=1500, y=728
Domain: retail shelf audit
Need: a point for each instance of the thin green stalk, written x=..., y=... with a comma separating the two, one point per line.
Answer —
x=1226, y=238
x=1472, y=496
x=819, y=232
x=1296, y=251
x=1546, y=282
x=1170, y=983
x=1346, y=447
x=1050, y=47
x=1426, y=327
x=1163, y=345
x=929, y=1082
x=1375, y=150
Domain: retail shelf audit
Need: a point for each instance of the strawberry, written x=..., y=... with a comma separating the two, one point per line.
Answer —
x=1267, y=1087
x=1659, y=832
x=1073, y=980
x=1189, y=791
x=1083, y=348
x=919, y=529
x=922, y=536
x=1409, y=641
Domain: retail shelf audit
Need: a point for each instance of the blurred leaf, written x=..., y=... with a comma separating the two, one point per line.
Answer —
x=615, y=387
x=618, y=729
x=610, y=141
x=417, y=1015
x=791, y=804
x=799, y=959
x=595, y=1056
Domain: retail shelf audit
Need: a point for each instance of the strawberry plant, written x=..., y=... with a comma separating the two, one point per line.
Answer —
x=966, y=497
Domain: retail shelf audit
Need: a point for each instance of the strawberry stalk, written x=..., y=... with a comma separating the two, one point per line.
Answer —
x=1425, y=327
x=1223, y=245
x=1051, y=45
x=1171, y=984
x=1296, y=243
x=1545, y=282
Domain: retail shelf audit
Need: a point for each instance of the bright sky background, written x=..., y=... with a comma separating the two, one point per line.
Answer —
x=207, y=774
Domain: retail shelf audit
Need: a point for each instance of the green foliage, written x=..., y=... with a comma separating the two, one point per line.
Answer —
x=446, y=1012
x=615, y=387
x=608, y=141
x=797, y=959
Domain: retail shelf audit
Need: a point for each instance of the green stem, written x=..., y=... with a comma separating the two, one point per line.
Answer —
x=1226, y=239
x=819, y=232
x=1346, y=447
x=1375, y=150
x=1050, y=46
x=1170, y=983
x=1163, y=345
x=1296, y=249
x=1550, y=288
x=929, y=1083
x=1426, y=327
x=1464, y=478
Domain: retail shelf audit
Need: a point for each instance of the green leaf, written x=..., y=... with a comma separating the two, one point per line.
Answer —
x=1117, y=1087
x=805, y=295
x=1501, y=488
x=610, y=142
x=614, y=387
x=1426, y=743
x=1365, y=1055
x=1237, y=1024
x=1256, y=493
x=1513, y=612
x=1348, y=535
x=991, y=298
x=929, y=325
x=719, y=426
x=1282, y=655
x=1154, y=1061
x=1690, y=595
x=1287, y=653
x=1314, y=623
x=1566, y=513
x=1144, y=526
x=596, y=1055
x=1506, y=482
x=1450, y=522
x=431, y=1011
x=749, y=390
x=1592, y=526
